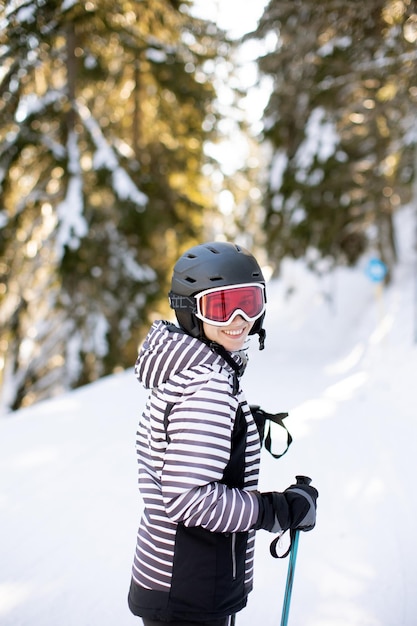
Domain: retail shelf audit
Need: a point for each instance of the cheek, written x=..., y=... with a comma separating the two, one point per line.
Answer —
x=210, y=331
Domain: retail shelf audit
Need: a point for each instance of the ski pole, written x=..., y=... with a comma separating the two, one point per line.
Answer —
x=301, y=480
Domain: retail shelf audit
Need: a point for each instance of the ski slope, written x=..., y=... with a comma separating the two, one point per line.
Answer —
x=341, y=358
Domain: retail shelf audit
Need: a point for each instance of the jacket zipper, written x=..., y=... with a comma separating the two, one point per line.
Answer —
x=234, y=556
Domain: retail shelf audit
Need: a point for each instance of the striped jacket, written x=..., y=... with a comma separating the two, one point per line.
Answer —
x=198, y=469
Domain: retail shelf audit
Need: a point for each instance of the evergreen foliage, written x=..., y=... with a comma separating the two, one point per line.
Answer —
x=341, y=122
x=107, y=114
x=104, y=110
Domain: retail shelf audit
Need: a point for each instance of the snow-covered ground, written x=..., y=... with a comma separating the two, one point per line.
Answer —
x=342, y=359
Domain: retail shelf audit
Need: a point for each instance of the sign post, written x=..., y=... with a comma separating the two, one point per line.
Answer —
x=376, y=270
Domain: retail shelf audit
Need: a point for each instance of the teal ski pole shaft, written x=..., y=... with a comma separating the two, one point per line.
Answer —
x=301, y=480
x=290, y=579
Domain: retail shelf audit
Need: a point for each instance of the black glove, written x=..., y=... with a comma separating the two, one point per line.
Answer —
x=302, y=502
x=295, y=508
x=274, y=512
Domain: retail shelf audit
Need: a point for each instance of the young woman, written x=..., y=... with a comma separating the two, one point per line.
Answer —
x=198, y=448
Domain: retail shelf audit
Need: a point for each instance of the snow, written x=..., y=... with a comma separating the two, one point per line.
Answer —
x=236, y=19
x=156, y=56
x=338, y=42
x=341, y=358
x=25, y=14
x=278, y=166
x=32, y=104
x=72, y=224
x=68, y=4
x=320, y=142
x=105, y=157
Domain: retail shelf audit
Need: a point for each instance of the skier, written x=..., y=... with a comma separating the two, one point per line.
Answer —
x=198, y=448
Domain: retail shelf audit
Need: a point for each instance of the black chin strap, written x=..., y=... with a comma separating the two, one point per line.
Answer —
x=262, y=335
x=237, y=369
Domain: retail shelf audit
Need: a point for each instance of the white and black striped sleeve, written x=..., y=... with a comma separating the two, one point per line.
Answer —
x=198, y=450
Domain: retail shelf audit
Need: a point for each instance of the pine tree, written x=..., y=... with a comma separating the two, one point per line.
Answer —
x=104, y=112
x=340, y=120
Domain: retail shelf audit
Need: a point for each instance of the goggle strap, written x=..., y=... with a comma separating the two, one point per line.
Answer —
x=178, y=302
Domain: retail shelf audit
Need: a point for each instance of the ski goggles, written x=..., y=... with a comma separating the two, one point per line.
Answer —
x=219, y=306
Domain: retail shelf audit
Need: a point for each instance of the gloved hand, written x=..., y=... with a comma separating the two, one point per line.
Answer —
x=302, y=502
x=274, y=512
x=295, y=508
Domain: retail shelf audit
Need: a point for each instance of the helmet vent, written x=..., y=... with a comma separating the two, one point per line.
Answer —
x=190, y=279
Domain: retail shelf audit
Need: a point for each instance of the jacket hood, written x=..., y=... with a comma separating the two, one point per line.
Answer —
x=168, y=350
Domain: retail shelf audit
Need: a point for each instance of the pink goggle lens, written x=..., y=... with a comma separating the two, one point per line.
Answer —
x=219, y=305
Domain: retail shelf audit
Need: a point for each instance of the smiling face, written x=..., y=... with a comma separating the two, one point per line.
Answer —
x=231, y=337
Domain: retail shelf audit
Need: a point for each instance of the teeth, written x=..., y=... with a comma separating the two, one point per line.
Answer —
x=233, y=332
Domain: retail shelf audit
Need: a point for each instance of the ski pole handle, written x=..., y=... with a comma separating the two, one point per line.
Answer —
x=303, y=480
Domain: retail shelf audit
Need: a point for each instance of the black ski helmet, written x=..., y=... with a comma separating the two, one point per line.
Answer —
x=208, y=265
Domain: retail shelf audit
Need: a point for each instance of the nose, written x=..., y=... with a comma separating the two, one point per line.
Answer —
x=236, y=316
